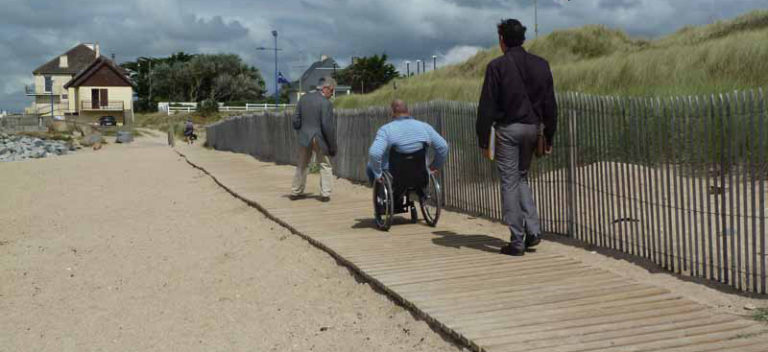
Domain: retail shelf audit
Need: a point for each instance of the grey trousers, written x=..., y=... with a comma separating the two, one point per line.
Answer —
x=326, y=173
x=514, y=151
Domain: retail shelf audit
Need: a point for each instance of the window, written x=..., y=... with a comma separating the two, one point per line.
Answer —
x=99, y=98
x=48, y=84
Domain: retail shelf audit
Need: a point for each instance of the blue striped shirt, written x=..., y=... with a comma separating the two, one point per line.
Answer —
x=407, y=135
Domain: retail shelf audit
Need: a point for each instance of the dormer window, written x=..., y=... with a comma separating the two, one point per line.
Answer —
x=63, y=61
x=48, y=84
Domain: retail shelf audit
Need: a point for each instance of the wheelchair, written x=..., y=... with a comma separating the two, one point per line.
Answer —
x=406, y=182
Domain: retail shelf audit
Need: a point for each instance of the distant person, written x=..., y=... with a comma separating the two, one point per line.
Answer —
x=314, y=122
x=189, y=132
x=407, y=135
x=517, y=97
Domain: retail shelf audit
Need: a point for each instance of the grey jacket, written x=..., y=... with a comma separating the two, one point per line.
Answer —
x=314, y=120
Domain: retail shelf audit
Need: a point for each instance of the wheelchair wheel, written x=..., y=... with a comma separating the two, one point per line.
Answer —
x=383, y=204
x=432, y=201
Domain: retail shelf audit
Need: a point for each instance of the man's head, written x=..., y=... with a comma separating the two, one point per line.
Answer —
x=327, y=86
x=399, y=108
x=511, y=34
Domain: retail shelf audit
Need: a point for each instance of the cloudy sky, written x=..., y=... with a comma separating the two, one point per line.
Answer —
x=34, y=31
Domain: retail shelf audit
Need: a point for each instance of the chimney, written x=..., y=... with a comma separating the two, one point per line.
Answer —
x=96, y=48
x=323, y=58
x=63, y=61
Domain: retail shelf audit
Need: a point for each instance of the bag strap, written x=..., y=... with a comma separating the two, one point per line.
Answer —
x=525, y=85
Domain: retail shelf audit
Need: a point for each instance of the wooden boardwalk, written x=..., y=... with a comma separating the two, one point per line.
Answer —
x=454, y=278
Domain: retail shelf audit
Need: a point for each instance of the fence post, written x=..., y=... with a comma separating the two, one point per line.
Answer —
x=571, y=175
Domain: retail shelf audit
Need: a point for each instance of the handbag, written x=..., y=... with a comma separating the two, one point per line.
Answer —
x=541, y=140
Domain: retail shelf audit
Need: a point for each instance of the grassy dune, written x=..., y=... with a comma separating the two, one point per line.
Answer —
x=719, y=57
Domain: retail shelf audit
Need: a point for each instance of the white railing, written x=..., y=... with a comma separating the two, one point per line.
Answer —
x=177, y=109
x=111, y=105
x=187, y=107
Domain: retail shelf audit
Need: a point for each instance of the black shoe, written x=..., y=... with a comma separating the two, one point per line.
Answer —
x=325, y=199
x=509, y=250
x=295, y=196
x=532, y=241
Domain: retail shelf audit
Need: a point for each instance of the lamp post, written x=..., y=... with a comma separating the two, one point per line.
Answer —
x=276, y=49
x=536, y=17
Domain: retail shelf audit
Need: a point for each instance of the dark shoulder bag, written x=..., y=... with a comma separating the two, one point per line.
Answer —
x=541, y=140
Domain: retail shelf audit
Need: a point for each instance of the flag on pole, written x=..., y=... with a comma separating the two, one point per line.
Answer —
x=281, y=79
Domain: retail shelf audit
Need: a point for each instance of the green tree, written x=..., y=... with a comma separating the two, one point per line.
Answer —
x=186, y=77
x=367, y=74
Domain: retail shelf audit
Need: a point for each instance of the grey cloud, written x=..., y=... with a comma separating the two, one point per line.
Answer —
x=34, y=31
x=197, y=29
x=615, y=4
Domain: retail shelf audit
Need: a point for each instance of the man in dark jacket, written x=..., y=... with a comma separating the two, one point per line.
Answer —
x=316, y=133
x=517, y=97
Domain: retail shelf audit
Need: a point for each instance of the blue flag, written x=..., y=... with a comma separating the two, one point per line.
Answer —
x=281, y=79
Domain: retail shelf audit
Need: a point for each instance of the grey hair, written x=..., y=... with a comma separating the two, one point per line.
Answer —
x=326, y=82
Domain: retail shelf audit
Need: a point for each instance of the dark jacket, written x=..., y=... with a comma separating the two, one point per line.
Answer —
x=503, y=100
x=314, y=120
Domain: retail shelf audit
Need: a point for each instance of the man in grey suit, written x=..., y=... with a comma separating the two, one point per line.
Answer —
x=317, y=133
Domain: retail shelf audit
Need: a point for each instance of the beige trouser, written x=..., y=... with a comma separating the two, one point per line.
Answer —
x=326, y=173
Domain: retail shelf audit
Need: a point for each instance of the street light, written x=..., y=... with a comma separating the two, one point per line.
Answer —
x=276, y=49
x=536, y=17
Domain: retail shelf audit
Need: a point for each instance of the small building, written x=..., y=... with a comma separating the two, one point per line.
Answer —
x=101, y=89
x=309, y=80
x=81, y=83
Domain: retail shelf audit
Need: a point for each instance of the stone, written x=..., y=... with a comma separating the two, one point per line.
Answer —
x=59, y=126
x=124, y=137
x=84, y=129
x=73, y=145
x=91, y=139
x=17, y=147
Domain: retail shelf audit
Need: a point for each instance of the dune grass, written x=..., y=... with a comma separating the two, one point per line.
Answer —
x=161, y=121
x=719, y=57
x=761, y=314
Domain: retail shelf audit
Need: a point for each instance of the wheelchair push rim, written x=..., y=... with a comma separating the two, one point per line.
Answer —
x=432, y=201
x=383, y=205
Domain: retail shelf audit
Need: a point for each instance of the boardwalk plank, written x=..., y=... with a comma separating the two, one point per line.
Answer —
x=541, y=302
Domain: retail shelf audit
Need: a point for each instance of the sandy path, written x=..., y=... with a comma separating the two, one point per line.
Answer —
x=131, y=249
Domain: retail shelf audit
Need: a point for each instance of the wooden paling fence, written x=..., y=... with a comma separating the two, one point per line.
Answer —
x=680, y=181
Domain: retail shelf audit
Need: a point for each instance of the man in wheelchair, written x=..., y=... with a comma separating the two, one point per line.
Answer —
x=399, y=171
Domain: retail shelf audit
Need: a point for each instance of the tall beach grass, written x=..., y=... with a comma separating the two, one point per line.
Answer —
x=719, y=57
